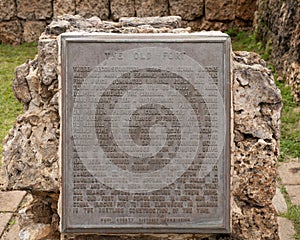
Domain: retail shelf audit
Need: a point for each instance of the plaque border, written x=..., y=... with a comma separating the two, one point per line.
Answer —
x=198, y=37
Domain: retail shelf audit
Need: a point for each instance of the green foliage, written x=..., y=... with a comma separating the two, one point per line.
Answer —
x=10, y=108
x=246, y=41
x=290, y=125
x=293, y=213
x=12, y=222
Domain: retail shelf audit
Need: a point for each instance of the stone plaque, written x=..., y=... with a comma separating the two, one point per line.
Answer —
x=145, y=133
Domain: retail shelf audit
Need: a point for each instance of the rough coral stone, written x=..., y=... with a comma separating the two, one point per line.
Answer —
x=121, y=8
x=90, y=8
x=61, y=7
x=255, y=174
x=57, y=27
x=254, y=223
x=11, y=32
x=26, y=84
x=188, y=10
x=20, y=85
x=257, y=105
x=34, y=9
x=7, y=9
x=245, y=9
x=37, y=216
x=204, y=25
x=151, y=8
x=255, y=89
x=294, y=80
x=157, y=22
x=220, y=10
x=30, y=152
x=33, y=82
x=47, y=56
x=33, y=30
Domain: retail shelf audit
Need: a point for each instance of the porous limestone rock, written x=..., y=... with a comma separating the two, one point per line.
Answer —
x=205, y=25
x=11, y=32
x=151, y=8
x=87, y=8
x=20, y=85
x=38, y=217
x=30, y=152
x=257, y=107
x=7, y=10
x=254, y=223
x=31, y=162
x=220, y=10
x=257, y=111
x=33, y=30
x=47, y=61
x=187, y=10
x=61, y=7
x=245, y=9
x=293, y=78
x=34, y=9
x=69, y=23
x=158, y=22
x=122, y=8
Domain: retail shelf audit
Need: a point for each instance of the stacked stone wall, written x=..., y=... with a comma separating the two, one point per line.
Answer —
x=278, y=26
x=24, y=20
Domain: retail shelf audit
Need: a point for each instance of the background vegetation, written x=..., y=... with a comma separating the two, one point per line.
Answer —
x=10, y=108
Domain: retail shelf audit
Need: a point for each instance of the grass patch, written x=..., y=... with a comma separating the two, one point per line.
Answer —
x=293, y=213
x=247, y=41
x=10, y=108
x=12, y=222
x=290, y=127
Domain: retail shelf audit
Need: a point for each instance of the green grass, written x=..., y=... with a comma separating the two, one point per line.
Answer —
x=10, y=108
x=247, y=41
x=12, y=221
x=290, y=147
x=292, y=214
x=290, y=127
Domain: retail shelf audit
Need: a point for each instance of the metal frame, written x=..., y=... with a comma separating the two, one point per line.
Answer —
x=205, y=37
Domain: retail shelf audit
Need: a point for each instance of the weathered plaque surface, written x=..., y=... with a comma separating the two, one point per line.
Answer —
x=145, y=133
